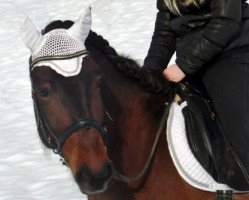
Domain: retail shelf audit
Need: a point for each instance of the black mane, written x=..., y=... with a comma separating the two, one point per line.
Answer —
x=153, y=82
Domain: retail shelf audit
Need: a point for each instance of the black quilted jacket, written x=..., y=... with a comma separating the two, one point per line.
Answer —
x=199, y=35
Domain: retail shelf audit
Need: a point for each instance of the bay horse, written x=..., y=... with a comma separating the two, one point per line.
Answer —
x=103, y=122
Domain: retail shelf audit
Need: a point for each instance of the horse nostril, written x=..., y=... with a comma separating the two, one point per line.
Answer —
x=109, y=168
x=84, y=174
x=106, y=171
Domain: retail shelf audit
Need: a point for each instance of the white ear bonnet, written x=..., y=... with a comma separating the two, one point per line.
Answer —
x=62, y=50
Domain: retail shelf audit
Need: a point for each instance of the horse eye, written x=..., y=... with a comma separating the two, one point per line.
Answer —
x=44, y=92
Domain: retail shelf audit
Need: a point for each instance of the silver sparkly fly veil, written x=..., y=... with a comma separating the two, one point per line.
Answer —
x=62, y=50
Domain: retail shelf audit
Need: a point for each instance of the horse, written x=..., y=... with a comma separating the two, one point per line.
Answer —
x=108, y=123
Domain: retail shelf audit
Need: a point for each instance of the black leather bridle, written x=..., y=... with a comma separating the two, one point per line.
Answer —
x=47, y=131
x=60, y=140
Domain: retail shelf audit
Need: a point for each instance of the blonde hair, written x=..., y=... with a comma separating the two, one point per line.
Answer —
x=173, y=6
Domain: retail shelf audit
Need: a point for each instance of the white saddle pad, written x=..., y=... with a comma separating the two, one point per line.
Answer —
x=185, y=162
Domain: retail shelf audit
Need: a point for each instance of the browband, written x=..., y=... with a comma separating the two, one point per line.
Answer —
x=64, y=57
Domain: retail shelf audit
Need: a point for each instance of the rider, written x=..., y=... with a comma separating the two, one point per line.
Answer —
x=211, y=41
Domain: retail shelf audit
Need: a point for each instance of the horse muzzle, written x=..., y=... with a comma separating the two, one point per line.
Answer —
x=91, y=182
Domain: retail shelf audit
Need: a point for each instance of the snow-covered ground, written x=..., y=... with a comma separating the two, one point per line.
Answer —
x=27, y=171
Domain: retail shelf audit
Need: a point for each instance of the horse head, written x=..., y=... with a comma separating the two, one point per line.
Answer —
x=67, y=100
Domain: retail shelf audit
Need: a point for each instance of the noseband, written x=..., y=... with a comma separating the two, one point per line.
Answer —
x=82, y=123
x=60, y=141
x=78, y=125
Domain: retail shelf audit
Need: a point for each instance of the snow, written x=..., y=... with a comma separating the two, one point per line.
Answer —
x=27, y=170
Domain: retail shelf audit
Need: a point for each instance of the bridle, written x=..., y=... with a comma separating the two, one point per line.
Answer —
x=46, y=130
x=82, y=123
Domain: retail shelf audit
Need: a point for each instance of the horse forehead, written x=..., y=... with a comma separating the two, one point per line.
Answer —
x=45, y=74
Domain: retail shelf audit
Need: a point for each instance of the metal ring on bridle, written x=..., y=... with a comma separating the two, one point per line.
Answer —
x=76, y=125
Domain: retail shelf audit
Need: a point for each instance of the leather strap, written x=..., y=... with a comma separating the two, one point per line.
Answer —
x=68, y=132
x=126, y=179
x=76, y=126
x=64, y=57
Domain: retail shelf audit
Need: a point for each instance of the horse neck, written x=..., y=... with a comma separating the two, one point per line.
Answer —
x=136, y=116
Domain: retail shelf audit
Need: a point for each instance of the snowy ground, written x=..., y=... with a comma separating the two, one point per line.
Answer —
x=27, y=171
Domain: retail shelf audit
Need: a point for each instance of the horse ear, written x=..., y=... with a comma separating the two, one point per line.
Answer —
x=82, y=26
x=30, y=35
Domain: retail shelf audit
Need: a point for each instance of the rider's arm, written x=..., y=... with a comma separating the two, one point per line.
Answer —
x=162, y=46
x=215, y=36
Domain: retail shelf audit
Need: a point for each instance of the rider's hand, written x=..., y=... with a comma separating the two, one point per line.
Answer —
x=173, y=73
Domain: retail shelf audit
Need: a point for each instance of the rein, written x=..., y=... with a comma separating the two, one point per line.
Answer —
x=127, y=179
x=82, y=123
x=45, y=127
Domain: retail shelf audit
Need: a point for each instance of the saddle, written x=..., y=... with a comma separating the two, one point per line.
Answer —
x=207, y=140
